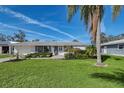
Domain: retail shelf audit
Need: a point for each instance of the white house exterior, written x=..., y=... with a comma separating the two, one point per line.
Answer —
x=25, y=48
x=113, y=48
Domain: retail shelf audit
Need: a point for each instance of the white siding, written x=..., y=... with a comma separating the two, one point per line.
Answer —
x=23, y=50
x=112, y=50
x=0, y=49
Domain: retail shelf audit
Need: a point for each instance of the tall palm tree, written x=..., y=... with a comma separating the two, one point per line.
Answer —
x=92, y=16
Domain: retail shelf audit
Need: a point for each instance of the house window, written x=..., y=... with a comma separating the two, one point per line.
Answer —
x=121, y=46
x=46, y=49
x=39, y=49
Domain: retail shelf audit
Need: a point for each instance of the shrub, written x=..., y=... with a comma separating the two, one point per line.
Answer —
x=76, y=50
x=69, y=49
x=69, y=56
x=80, y=56
x=91, y=51
x=38, y=55
x=75, y=53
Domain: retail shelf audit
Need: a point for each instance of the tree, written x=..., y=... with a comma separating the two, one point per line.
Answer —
x=35, y=40
x=20, y=36
x=104, y=38
x=9, y=38
x=92, y=16
x=2, y=37
x=75, y=40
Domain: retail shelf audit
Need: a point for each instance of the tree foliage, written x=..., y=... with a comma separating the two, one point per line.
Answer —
x=20, y=36
x=90, y=14
x=107, y=38
x=116, y=10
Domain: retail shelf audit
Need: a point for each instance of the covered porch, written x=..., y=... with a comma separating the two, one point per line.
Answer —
x=5, y=49
x=53, y=49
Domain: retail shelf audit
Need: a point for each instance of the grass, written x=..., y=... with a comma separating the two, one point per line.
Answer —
x=62, y=73
x=4, y=55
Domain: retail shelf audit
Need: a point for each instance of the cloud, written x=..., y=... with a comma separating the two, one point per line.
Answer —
x=32, y=21
x=26, y=30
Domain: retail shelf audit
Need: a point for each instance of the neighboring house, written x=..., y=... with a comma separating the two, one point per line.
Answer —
x=113, y=47
x=25, y=48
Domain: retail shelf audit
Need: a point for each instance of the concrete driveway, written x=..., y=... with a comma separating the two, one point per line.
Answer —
x=6, y=59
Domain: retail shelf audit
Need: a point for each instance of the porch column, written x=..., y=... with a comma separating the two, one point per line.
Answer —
x=58, y=49
x=10, y=47
x=0, y=49
x=52, y=50
x=42, y=48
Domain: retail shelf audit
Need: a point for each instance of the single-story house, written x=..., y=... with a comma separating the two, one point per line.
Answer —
x=24, y=48
x=113, y=47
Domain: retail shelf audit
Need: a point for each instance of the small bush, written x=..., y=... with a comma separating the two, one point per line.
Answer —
x=91, y=51
x=38, y=55
x=105, y=57
x=81, y=56
x=69, y=56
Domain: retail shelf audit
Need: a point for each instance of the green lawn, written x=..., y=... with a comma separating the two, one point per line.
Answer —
x=62, y=73
x=4, y=56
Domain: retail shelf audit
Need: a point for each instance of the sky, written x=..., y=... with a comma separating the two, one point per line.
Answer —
x=50, y=23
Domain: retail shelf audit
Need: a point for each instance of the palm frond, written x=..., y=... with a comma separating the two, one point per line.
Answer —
x=72, y=9
x=90, y=14
x=84, y=13
x=115, y=11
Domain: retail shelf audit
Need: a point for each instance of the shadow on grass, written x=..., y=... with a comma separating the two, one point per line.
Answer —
x=117, y=76
x=15, y=60
x=105, y=57
x=118, y=58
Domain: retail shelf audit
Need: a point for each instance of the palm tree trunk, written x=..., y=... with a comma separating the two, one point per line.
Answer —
x=98, y=44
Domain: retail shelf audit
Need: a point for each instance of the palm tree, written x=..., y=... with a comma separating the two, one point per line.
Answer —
x=92, y=16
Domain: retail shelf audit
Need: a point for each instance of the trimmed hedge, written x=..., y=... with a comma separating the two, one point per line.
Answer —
x=38, y=55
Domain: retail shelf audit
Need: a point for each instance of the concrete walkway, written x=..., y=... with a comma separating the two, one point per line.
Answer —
x=53, y=57
x=6, y=59
x=58, y=57
x=13, y=58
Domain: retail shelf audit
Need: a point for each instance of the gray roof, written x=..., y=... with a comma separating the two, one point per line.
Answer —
x=4, y=43
x=50, y=44
x=114, y=42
